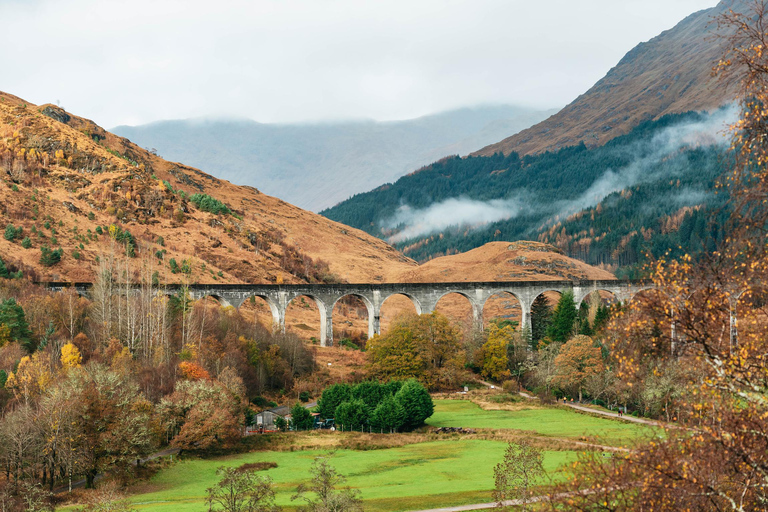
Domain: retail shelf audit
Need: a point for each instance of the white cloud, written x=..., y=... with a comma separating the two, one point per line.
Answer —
x=291, y=60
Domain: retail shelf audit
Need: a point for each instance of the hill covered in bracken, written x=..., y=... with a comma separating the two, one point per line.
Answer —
x=670, y=74
x=72, y=192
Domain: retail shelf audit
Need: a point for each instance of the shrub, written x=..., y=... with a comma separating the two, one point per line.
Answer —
x=91, y=216
x=49, y=257
x=174, y=266
x=210, y=204
x=99, y=230
x=304, y=396
x=76, y=254
x=47, y=225
x=11, y=232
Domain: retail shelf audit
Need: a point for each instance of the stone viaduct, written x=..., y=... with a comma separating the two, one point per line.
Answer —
x=423, y=295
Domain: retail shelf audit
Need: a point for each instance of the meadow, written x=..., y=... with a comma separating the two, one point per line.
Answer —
x=429, y=472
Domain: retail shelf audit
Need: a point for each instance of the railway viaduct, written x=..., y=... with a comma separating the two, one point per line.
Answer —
x=424, y=296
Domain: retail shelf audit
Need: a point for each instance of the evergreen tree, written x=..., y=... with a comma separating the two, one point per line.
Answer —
x=563, y=318
x=12, y=316
x=388, y=416
x=332, y=397
x=541, y=316
x=416, y=403
x=301, y=418
x=3, y=270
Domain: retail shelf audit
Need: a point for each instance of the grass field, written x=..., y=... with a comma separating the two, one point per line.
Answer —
x=422, y=475
x=545, y=421
x=430, y=474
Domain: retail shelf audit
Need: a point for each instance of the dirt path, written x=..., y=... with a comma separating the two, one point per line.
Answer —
x=508, y=503
x=590, y=410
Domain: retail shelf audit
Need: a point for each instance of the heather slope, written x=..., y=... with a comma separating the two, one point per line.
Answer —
x=671, y=73
x=64, y=177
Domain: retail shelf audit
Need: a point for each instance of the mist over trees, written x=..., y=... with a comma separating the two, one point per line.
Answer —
x=650, y=190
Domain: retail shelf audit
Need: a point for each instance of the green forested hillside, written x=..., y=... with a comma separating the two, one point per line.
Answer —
x=652, y=189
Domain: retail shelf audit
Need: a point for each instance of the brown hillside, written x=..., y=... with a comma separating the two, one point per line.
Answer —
x=505, y=261
x=671, y=73
x=69, y=173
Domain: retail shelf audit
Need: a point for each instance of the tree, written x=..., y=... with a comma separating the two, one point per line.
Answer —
x=113, y=419
x=578, y=360
x=563, y=318
x=416, y=403
x=70, y=356
x=541, y=316
x=395, y=355
x=388, y=416
x=517, y=473
x=323, y=485
x=301, y=418
x=495, y=358
x=331, y=398
x=202, y=415
x=12, y=316
x=107, y=498
x=352, y=415
x=241, y=491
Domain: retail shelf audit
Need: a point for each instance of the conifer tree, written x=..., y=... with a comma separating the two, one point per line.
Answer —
x=563, y=318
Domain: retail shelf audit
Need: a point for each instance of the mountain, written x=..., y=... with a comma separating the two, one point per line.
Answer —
x=70, y=186
x=317, y=165
x=669, y=74
x=606, y=205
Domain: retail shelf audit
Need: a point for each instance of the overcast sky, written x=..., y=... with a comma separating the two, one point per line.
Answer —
x=137, y=61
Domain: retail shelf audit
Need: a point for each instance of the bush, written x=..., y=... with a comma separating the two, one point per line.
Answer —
x=210, y=204
x=99, y=230
x=352, y=415
x=174, y=266
x=304, y=396
x=49, y=257
x=11, y=232
x=76, y=255
x=416, y=402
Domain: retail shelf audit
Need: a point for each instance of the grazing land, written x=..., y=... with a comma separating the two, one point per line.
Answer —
x=402, y=471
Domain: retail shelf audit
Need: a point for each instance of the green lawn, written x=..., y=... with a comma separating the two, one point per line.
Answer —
x=432, y=474
x=423, y=475
x=552, y=422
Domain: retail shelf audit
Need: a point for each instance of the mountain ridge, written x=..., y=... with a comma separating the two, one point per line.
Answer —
x=670, y=73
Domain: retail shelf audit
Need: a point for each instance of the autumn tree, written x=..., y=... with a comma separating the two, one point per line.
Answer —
x=715, y=456
x=425, y=347
x=520, y=469
x=494, y=350
x=579, y=359
x=395, y=355
x=241, y=491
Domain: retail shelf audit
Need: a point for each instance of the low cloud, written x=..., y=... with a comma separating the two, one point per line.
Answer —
x=453, y=212
x=462, y=212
